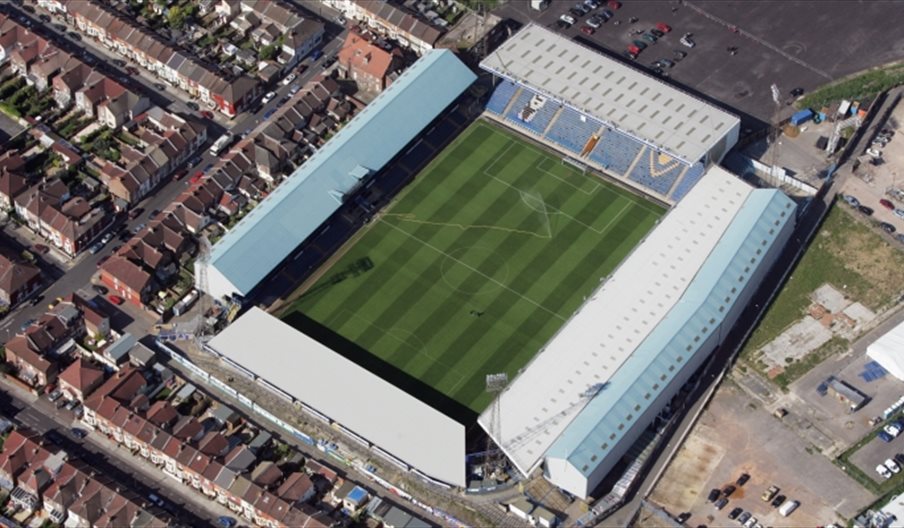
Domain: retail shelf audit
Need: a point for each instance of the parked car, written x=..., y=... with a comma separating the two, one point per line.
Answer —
x=686, y=40
x=587, y=30
x=797, y=92
x=888, y=228
x=850, y=200
x=591, y=4
x=892, y=466
x=742, y=479
x=721, y=503
x=268, y=97
x=887, y=204
x=641, y=45
x=628, y=54
x=649, y=38
x=713, y=495
x=662, y=26
x=95, y=248
x=733, y=514
x=788, y=508
x=873, y=152
x=288, y=80
x=656, y=33
x=614, y=5
x=744, y=517
x=868, y=211
x=728, y=490
x=106, y=238
x=55, y=395
x=666, y=63
x=634, y=50
x=596, y=21
x=777, y=501
x=769, y=493
x=135, y=213
x=885, y=437
x=115, y=299
x=226, y=522
x=567, y=20
x=193, y=105
x=679, y=55
x=750, y=523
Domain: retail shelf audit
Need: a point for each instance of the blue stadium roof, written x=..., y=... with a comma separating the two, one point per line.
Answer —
x=297, y=208
x=589, y=437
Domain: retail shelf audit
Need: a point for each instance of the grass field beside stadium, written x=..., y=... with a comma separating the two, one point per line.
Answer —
x=477, y=263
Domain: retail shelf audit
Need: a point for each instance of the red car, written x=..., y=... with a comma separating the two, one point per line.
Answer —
x=614, y=4
x=115, y=299
x=197, y=177
x=633, y=50
x=661, y=26
x=886, y=204
x=587, y=30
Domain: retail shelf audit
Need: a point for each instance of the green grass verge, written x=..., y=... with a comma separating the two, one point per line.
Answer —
x=845, y=253
x=477, y=263
x=861, y=87
x=9, y=110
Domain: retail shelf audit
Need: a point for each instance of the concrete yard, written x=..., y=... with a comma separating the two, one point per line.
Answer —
x=793, y=44
x=736, y=435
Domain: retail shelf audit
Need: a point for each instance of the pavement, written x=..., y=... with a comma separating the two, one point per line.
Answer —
x=140, y=476
x=793, y=44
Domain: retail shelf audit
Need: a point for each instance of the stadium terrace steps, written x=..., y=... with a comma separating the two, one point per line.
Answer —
x=650, y=172
x=502, y=95
x=691, y=176
x=571, y=132
x=616, y=152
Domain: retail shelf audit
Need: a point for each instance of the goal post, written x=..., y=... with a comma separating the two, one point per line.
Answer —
x=568, y=160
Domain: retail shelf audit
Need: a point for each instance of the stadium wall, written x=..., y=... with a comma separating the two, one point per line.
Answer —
x=562, y=471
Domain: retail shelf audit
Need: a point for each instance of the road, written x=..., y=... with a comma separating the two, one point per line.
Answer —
x=41, y=416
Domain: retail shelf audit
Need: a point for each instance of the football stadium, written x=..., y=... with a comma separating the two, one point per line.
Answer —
x=535, y=244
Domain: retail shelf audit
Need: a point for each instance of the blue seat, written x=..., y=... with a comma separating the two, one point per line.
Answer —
x=691, y=177
x=571, y=132
x=501, y=96
x=656, y=176
x=540, y=118
x=616, y=151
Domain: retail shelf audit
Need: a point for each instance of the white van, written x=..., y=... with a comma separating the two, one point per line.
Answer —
x=788, y=508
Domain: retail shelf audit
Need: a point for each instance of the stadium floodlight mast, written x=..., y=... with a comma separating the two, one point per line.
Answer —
x=495, y=383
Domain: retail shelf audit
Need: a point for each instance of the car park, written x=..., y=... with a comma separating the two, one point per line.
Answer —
x=888, y=228
x=733, y=514
x=721, y=503
x=777, y=501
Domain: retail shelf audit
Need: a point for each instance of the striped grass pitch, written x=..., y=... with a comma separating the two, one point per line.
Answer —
x=478, y=262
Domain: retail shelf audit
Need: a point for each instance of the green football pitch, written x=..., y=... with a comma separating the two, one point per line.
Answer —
x=477, y=263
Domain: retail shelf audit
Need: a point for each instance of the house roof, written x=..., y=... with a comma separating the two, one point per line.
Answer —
x=82, y=375
x=359, y=54
x=15, y=274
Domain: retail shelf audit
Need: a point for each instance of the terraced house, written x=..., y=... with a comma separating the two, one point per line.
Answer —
x=223, y=91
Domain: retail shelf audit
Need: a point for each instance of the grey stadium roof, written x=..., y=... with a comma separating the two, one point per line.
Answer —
x=602, y=336
x=297, y=208
x=627, y=99
x=360, y=401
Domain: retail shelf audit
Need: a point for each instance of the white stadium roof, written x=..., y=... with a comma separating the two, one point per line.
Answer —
x=602, y=335
x=626, y=98
x=362, y=402
x=888, y=351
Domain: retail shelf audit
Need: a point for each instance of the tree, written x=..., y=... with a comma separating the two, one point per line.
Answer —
x=177, y=16
x=267, y=52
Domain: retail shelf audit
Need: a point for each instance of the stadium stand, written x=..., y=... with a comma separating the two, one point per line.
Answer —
x=501, y=97
x=572, y=130
x=615, y=152
x=691, y=177
x=533, y=112
x=656, y=171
